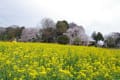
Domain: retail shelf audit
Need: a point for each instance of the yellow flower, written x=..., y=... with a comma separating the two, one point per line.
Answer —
x=26, y=65
x=43, y=73
x=33, y=73
x=20, y=79
x=83, y=74
x=21, y=70
x=66, y=72
x=9, y=74
x=15, y=67
x=15, y=79
x=8, y=62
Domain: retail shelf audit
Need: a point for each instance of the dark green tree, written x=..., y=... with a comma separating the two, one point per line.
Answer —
x=13, y=32
x=100, y=36
x=61, y=27
x=94, y=36
x=97, y=36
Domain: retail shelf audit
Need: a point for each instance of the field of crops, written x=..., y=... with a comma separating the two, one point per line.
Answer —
x=40, y=61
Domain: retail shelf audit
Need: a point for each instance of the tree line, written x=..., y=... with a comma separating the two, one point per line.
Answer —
x=60, y=32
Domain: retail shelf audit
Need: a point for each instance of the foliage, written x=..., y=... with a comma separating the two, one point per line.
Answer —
x=29, y=35
x=48, y=35
x=63, y=39
x=97, y=36
x=117, y=42
x=47, y=23
x=77, y=41
x=110, y=42
x=37, y=61
x=113, y=40
x=48, y=31
x=61, y=27
x=100, y=36
x=11, y=33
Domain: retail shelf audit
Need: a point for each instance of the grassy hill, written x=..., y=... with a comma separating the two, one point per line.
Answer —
x=41, y=61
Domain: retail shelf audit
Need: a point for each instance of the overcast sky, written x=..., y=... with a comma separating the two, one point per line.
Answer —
x=94, y=15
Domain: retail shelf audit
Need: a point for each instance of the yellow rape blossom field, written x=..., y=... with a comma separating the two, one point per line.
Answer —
x=42, y=61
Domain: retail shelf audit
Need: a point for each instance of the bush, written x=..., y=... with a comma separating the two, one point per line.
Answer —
x=77, y=41
x=63, y=39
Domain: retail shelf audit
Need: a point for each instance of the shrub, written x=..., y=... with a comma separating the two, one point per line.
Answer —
x=77, y=41
x=63, y=39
